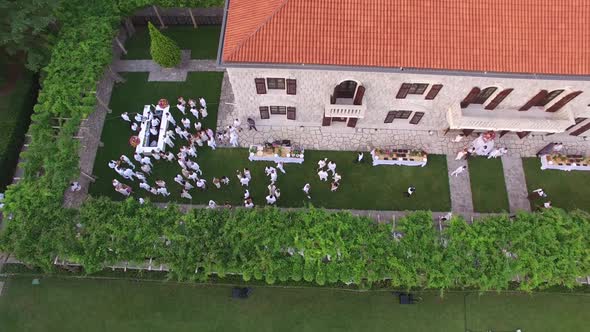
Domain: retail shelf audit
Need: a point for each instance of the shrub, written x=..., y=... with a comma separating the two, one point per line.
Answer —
x=164, y=50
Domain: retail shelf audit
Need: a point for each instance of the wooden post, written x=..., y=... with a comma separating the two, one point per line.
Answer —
x=120, y=45
x=103, y=104
x=159, y=17
x=129, y=27
x=190, y=11
x=91, y=178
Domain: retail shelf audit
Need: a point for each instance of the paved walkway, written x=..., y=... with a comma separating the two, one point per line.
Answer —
x=515, y=184
x=461, y=200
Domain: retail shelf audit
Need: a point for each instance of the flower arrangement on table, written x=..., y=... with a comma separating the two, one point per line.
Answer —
x=400, y=154
x=568, y=160
x=134, y=141
x=163, y=103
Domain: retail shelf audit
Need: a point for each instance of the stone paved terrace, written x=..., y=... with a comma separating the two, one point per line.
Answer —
x=515, y=184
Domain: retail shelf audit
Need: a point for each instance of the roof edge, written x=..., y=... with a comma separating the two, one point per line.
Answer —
x=406, y=70
x=222, y=34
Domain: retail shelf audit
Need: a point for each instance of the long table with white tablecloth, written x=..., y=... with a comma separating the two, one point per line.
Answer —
x=399, y=157
x=546, y=164
x=144, y=144
x=260, y=153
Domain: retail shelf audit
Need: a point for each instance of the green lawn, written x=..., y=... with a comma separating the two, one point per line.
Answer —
x=119, y=305
x=487, y=185
x=362, y=187
x=567, y=190
x=202, y=41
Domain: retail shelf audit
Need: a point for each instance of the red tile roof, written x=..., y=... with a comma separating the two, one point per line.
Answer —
x=517, y=36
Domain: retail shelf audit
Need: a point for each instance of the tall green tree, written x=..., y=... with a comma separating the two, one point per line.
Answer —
x=28, y=26
x=164, y=50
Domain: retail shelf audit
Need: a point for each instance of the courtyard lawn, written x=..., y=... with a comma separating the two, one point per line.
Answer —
x=567, y=190
x=362, y=186
x=119, y=305
x=202, y=41
x=488, y=187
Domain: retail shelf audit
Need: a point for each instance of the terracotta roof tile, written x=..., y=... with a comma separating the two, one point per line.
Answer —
x=518, y=36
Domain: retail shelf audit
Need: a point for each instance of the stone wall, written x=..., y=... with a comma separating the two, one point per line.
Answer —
x=178, y=16
x=314, y=88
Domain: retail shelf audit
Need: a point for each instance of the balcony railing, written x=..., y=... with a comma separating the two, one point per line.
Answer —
x=345, y=111
x=475, y=117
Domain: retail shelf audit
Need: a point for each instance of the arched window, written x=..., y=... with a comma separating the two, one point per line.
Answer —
x=483, y=96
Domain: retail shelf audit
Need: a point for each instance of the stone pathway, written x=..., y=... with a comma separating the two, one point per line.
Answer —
x=515, y=184
x=461, y=200
x=158, y=73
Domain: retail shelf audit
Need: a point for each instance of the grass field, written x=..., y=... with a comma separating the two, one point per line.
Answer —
x=119, y=305
x=567, y=190
x=487, y=185
x=362, y=186
x=202, y=41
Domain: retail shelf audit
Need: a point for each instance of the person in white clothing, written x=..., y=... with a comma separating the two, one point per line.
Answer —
x=212, y=204
x=137, y=157
x=503, y=151
x=168, y=141
x=181, y=105
x=171, y=119
x=75, y=186
x=138, y=117
x=461, y=154
x=128, y=174
x=270, y=199
x=458, y=138
x=126, y=159
x=178, y=130
x=179, y=179
x=192, y=103
x=201, y=184
x=163, y=191
x=144, y=185
x=359, y=157
x=332, y=167
x=185, y=194
x=193, y=176
x=198, y=126
x=459, y=170
x=112, y=164
x=237, y=124
x=334, y=186
x=134, y=126
x=156, y=154
x=141, y=201
x=155, y=122
x=154, y=131
x=125, y=117
x=323, y=175
x=280, y=167
x=277, y=193
x=195, y=167
x=146, y=161
x=195, y=112
x=188, y=185
x=248, y=204
x=161, y=183
x=225, y=180
x=146, y=169
x=140, y=176
x=273, y=176
x=202, y=102
x=120, y=171
x=558, y=147
x=184, y=134
x=247, y=173
x=170, y=156
x=246, y=194
x=322, y=163
x=186, y=123
x=171, y=134
x=244, y=181
x=337, y=177
x=216, y=182
x=211, y=143
x=233, y=140
x=271, y=189
x=307, y=189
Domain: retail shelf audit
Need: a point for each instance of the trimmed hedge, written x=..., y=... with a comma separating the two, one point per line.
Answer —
x=164, y=50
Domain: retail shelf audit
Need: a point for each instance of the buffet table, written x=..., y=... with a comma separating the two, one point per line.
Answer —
x=144, y=144
x=276, y=154
x=399, y=157
x=565, y=163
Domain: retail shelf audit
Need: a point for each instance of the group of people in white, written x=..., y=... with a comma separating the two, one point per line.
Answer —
x=325, y=167
x=477, y=147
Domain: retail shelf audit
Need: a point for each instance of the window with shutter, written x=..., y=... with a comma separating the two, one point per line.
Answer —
x=390, y=116
x=291, y=86
x=483, y=95
x=577, y=122
x=498, y=99
x=280, y=110
x=360, y=93
x=534, y=101
x=403, y=91
x=581, y=130
x=563, y=101
x=352, y=122
x=264, y=114
x=470, y=97
x=326, y=121
x=260, y=86
x=291, y=113
x=416, y=118
x=549, y=97
x=433, y=91
x=522, y=134
x=275, y=83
